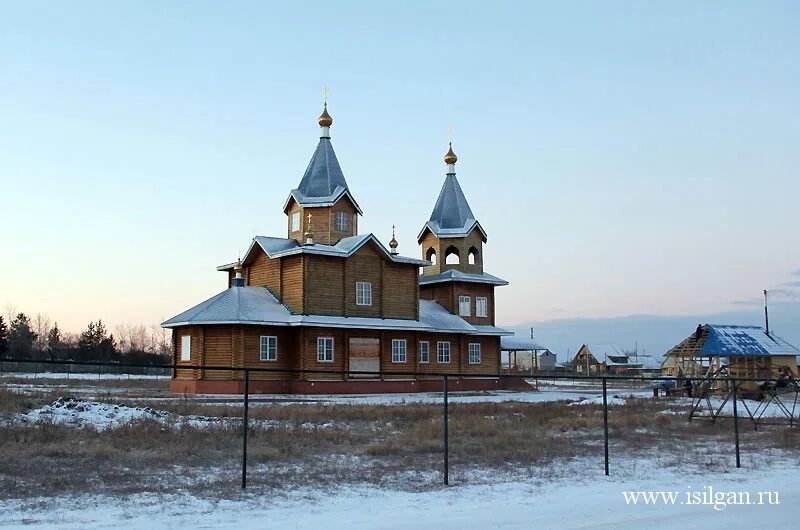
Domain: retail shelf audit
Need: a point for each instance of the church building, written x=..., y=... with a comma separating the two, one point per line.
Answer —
x=326, y=297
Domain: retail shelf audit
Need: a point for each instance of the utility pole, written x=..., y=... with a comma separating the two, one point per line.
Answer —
x=766, y=313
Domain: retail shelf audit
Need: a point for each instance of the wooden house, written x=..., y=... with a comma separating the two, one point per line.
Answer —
x=326, y=297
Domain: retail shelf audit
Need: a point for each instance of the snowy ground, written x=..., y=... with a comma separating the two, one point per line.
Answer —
x=590, y=502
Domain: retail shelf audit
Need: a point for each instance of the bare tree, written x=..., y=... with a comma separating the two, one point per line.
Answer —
x=41, y=327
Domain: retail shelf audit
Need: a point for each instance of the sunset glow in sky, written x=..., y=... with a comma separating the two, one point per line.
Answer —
x=623, y=157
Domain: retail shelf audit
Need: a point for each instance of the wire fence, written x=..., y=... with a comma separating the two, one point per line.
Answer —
x=700, y=386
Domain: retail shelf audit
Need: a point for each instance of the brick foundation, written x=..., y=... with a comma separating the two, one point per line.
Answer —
x=203, y=386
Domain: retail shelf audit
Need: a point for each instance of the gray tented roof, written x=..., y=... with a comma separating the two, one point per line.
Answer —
x=323, y=182
x=257, y=306
x=451, y=216
x=453, y=275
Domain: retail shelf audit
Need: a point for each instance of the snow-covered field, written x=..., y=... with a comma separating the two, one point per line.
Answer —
x=588, y=501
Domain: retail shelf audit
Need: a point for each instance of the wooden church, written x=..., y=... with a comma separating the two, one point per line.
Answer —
x=328, y=298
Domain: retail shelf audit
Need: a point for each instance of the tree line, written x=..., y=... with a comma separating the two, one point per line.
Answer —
x=36, y=339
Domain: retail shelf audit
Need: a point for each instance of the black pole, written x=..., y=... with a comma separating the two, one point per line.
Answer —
x=605, y=422
x=736, y=424
x=244, y=426
x=766, y=313
x=446, y=442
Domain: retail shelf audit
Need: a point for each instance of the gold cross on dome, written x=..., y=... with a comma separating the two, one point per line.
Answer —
x=393, y=227
x=324, y=94
x=450, y=134
x=309, y=219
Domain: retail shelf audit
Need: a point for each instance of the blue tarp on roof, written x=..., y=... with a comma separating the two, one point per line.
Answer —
x=728, y=341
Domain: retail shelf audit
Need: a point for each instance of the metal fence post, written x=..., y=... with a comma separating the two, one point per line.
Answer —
x=736, y=423
x=244, y=426
x=605, y=422
x=446, y=441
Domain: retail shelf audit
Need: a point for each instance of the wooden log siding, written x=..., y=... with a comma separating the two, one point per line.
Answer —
x=324, y=285
x=490, y=355
x=474, y=290
x=364, y=266
x=455, y=352
x=309, y=352
x=400, y=285
x=292, y=283
x=262, y=271
x=287, y=356
x=442, y=293
x=195, y=346
x=323, y=222
x=462, y=244
x=386, y=353
x=218, y=351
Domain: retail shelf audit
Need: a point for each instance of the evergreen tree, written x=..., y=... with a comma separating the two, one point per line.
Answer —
x=96, y=344
x=3, y=337
x=21, y=337
x=54, y=345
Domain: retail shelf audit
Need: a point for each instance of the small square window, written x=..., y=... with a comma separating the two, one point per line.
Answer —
x=474, y=353
x=325, y=349
x=424, y=352
x=268, y=348
x=443, y=352
x=363, y=293
x=342, y=221
x=463, y=306
x=296, y=222
x=398, y=350
x=481, y=306
x=186, y=348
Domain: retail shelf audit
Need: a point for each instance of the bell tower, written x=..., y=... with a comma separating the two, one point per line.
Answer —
x=452, y=238
x=322, y=192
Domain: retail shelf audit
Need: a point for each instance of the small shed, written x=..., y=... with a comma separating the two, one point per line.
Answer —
x=523, y=354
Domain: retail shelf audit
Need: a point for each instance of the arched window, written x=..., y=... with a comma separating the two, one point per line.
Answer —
x=431, y=255
x=451, y=256
x=473, y=255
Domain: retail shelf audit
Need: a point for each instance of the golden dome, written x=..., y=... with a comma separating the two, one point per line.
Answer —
x=238, y=266
x=393, y=243
x=450, y=157
x=325, y=119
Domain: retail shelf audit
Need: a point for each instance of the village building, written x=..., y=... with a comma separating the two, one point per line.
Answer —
x=326, y=297
x=594, y=359
x=740, y=352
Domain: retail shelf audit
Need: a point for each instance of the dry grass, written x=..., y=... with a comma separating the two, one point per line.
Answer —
x=311, y=444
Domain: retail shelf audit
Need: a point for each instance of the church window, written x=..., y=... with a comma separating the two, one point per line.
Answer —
x=431, y=256
x=363, y=293
x=443, y=352
x=451, y=256
x=481, y=306
x=473, y=256
x=342, y=221
x=186, y=348
x=464, y=306
x=268, y=348
x=295, y=221
x=424, y=352
x=474, y=353
x=398, y=350
x=325, y=349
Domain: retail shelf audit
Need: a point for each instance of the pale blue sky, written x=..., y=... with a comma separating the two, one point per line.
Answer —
x=624, y=157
